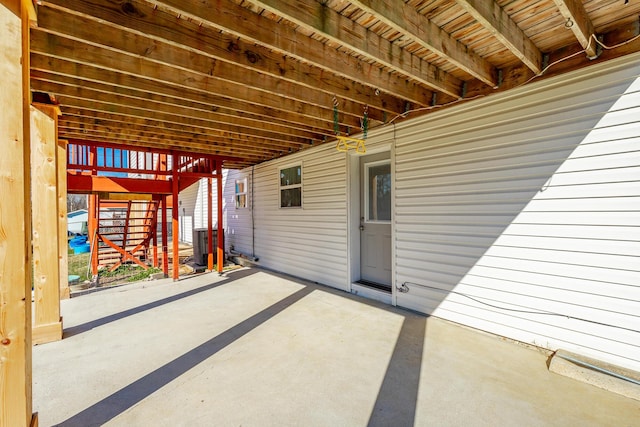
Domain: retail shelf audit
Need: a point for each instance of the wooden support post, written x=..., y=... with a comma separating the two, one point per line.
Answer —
x=15, y=218
x=63, y=243
x=154, y=230
x=92, y=225
x=220, y=229
x=165, y=244
x=94, y=217
x=47, y=325
x=128, y=220
x=209, y=224
x=174, y=219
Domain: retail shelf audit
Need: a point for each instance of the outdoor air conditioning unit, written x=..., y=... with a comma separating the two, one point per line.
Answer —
x=201, y=247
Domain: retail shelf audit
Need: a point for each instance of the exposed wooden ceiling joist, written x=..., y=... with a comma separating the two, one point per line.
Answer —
x=406, y=20
x=578, y=21
x=501, y=26
x=134, y=55
x=63, y=71
x=165, y=28
x=252, y=80
x=316, y=17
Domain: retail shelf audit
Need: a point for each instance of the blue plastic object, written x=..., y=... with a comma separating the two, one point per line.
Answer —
x=81, y=249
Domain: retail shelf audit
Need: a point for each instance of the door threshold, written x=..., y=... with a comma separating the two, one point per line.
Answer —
x=375, y=285
x=371, y=292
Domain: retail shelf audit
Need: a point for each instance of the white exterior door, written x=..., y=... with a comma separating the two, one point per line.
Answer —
x=375, y=220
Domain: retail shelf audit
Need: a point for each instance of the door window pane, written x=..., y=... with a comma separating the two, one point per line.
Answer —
x=379, y=192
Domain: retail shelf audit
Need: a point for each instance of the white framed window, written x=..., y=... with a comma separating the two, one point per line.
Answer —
x=378, y=192
x=290, y=186
x=241, y=193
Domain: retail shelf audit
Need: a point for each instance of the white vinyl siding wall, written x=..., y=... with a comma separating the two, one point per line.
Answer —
x=529, y=201
x=186, y=209
x=311, y=241
x=200, y=213
x=238, y=223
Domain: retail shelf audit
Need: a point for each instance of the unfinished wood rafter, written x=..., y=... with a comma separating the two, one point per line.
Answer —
x=171, y=113
x=63, y=71
x=406, y=20
x=171, y=140
x=130, y=129
x=157, y=143
x=203, y=138
x=492, y=17
x=267, y=72
x=73, y=50
x=153, y=30
x=182, y=107
x=578, y=21
x=314, y=16
x=135, y=54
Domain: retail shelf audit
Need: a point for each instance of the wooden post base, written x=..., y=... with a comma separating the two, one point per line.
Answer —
x=42, y=334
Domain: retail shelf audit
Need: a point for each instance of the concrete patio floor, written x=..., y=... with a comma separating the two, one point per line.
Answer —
x=253, y=348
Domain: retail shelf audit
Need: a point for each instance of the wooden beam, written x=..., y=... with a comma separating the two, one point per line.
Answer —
x=46, y=260
x=219, y=198
x=54, y=112
x=93, y=228
x=493, y=18
x=173, y=132
x=316, y=17
x=170, y=113
x=518, y=75
x=47, y=82
x=210, y=224
x=68, y=72
x=235, y=161
x=175, y=223
x=92, y=184
x=578, y=21
x=154, y=230
x=165, y=234
x=165, y=62
x=132, y=139
x=15, y=218
x=406, y=20
x=61, y=158
x=276, y=58
x=126, y=255
x=173, y=138
x=242, y=143
x=164, y=27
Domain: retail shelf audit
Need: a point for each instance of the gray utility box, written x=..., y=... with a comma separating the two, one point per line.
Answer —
x=200, y=245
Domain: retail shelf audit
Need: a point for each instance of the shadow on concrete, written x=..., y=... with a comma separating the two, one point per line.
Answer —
x=398, y=396
x=84, y=327
x=127, y=397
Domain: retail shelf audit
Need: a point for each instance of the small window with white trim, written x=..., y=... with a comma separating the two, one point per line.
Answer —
x=291, y=187
x=241, y=193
